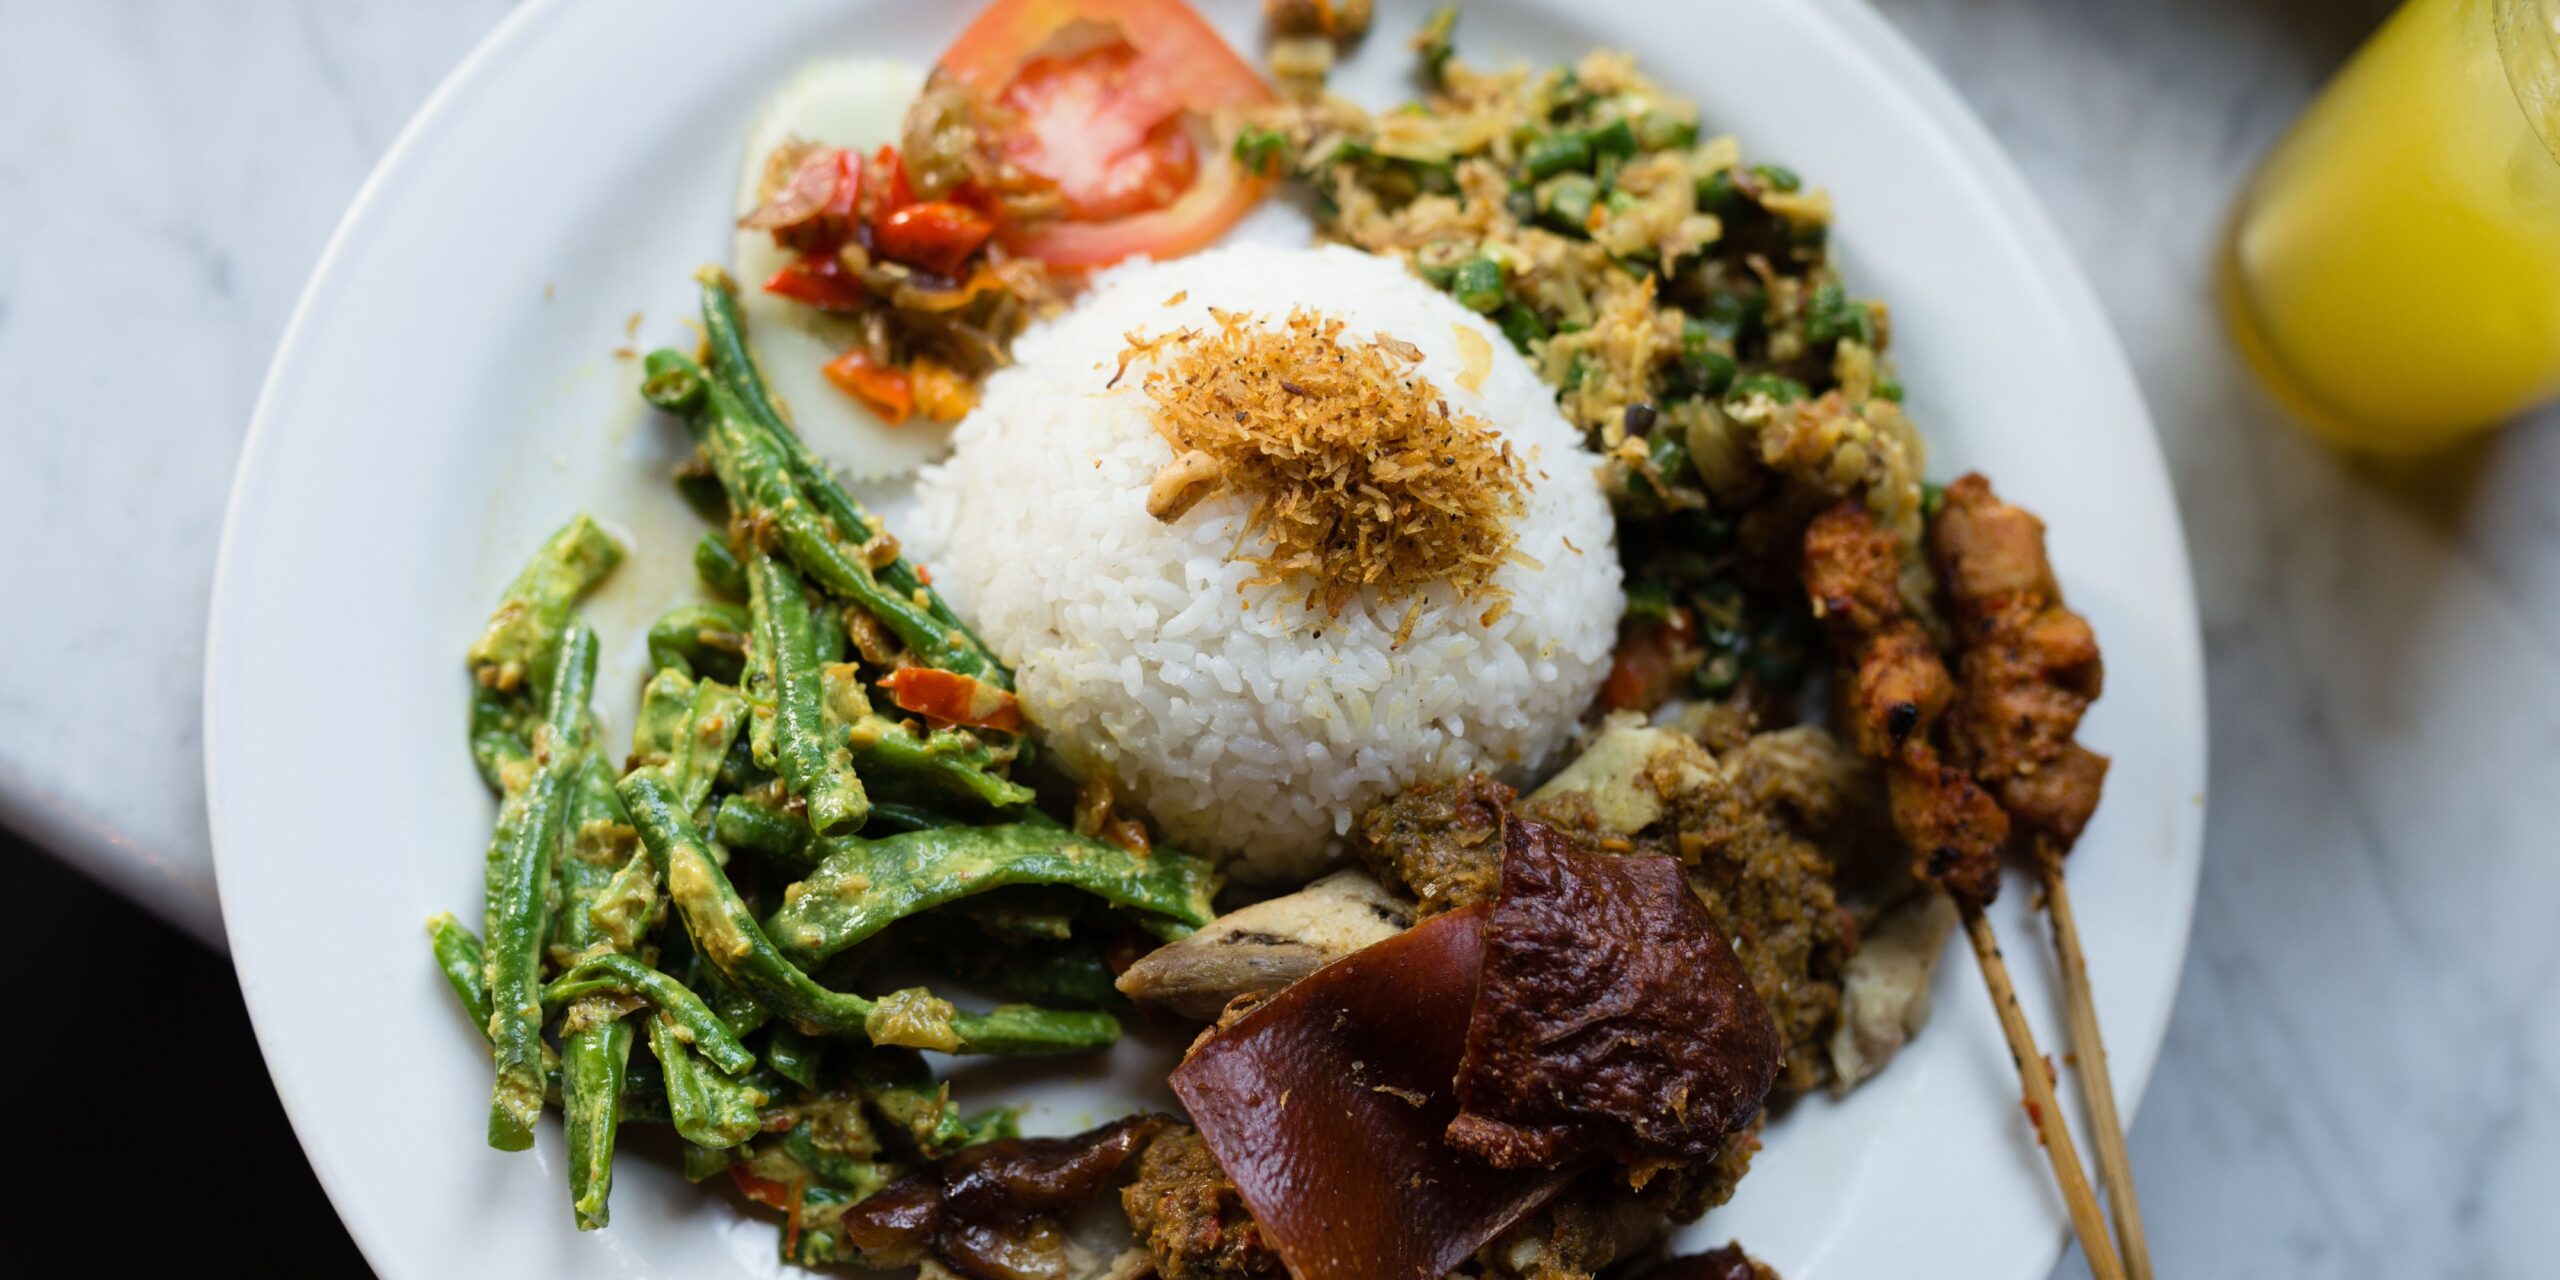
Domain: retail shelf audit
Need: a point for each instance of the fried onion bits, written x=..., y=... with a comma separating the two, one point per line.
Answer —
x=1387, y=1116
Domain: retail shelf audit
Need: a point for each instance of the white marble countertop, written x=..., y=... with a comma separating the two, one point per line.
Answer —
x=2363, y=1073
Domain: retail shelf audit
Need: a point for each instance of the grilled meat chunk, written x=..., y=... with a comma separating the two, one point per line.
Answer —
x=2029, y=666
x=1893, y=689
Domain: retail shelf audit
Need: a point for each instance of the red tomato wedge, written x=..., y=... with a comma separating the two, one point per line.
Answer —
x=1114, y=100
x=953, y=698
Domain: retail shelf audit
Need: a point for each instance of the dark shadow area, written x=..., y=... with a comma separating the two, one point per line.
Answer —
x=154, y=1075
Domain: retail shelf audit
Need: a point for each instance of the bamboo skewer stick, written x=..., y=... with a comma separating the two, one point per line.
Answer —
x=2051, y=1132
x=2089, y=1051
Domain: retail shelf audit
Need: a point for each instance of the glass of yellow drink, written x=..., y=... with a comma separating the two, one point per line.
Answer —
x=2394, y=269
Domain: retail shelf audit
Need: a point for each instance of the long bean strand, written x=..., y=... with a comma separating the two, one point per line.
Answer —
x=818, y=771
x=518, y=928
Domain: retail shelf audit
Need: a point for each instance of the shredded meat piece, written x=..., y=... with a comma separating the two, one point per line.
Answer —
x=1187, y=1211
x=2029, y=666
x=1893, y=690
x=1439, y=842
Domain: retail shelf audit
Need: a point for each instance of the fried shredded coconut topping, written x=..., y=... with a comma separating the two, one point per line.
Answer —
x=1361, y=477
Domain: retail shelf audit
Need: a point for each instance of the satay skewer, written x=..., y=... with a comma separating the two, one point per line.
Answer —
x=2030, y=668
x=2089, y=1056
x=2043, y=1108
x=1893, y=688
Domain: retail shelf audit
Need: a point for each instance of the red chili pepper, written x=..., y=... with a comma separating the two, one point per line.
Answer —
x=1640, y=677
x=888, y=186
x=884, y=388
x=936, y=235
x=953, y=698
x=848, y=186
x=764, y=1191
x=819, y=280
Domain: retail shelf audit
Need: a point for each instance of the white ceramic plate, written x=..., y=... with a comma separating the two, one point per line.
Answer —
x=449, y=391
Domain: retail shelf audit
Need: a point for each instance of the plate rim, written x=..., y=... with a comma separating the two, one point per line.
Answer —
x=2023, y=218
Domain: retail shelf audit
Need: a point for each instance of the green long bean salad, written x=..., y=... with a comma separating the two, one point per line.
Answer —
x=780, y=832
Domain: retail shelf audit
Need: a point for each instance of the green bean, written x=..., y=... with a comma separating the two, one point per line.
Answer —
x=595, y=1043
x=1522, y=325
x=1022, y=914
x=1777, y=176
x=1070, y=974
x=1778, y=387
x=891, y=819
x=1477, y=285
x=1616, y=138
x=522, y=920
x=458, y=955
x=671, y=381
x=737, y=1010
x=459, y=958
x=600, y=843
x=814, y=766
x=900, y=1089
x=700, y=639
x=794, y=1057
x=861, y=886
x=686, y=726
x=1567, y=202
x=741, y=823
x=1561, y=152
x=498, y=745
x=594, y=1065
x=701, y=1164
x=739, y=770
x=718, y=567
x=708, y=1109
x=734, y=364
x=693, y=1020
x=725, y=934
x=1432, y=43
x=1662, y=131
x=524, y=634
x=860, y=1177
x=950, y=762
x=1261, y=150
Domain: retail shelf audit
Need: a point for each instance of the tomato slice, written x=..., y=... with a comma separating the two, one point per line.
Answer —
x=1086, y=127
x=1114, y=100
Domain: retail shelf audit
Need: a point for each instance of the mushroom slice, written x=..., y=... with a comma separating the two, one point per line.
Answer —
x=1261, y=948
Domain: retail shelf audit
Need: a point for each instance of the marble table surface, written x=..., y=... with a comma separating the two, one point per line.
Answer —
x=2363, y=1072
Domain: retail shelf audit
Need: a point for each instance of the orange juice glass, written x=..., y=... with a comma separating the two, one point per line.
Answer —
x=2394, y=269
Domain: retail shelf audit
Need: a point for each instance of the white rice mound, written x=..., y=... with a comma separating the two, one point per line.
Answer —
x=1250, y=728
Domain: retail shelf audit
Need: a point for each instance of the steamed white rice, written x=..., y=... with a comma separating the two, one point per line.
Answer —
x=1249, y=728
